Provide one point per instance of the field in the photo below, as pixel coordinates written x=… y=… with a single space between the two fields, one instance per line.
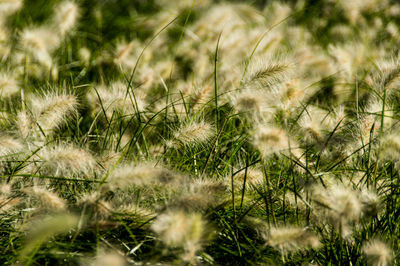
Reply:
x=182 y=132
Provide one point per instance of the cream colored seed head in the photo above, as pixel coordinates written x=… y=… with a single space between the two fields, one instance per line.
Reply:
x=66 y=15
x=179 y=229
x=48 y=199
x=39 y=43
x=8 y=85
x=24 y=123
x=254 y=104
x=7 y=7
x=270 y=140
x=106 y=258
x=291 y=239
x=68 y=160
x=9 y=145
x=194 y=132
x=115 y=98
x=377 y=253
x=141 y=174
x=51 y=111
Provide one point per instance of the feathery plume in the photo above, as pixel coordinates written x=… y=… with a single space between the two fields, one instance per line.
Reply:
x=126 y=54
x=370 y=202
x=311 y=124
x=292 y=94
x=338 y=204
x=200 y=195
x=115 y=98
x=108 y=159
x=7 y=200
x=47 y=199
x=7 y=7
x=254 y=104
x=106 y=258
x=335 y=117
x=51 y=111
x=270 y=140
x=132 y=209
x=291 y=239
x=8 y=203
x=88 y=198
x=265 y=71
x=84 y=55
x=67 y=160
x=377 y=253
x=8 y=85
x=24 y=123
x=9 y=145
x=390 y=147
x=385 y=77
x=5 y=189
x=253 y=176
x=98 y=208
x=179 y=229
x=194 y=133
x=201 y=95
x=66 y=15
x=141 y=174
x=123 y=51
x=40 y=42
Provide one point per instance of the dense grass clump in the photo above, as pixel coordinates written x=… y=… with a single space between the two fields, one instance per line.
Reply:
x=199 y=132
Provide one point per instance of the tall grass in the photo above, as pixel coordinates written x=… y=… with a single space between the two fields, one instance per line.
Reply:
x=199 y=132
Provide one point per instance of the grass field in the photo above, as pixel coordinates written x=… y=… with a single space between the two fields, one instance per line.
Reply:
x=199 y=132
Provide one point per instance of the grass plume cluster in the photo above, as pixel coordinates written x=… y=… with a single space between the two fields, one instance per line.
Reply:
x=199 y=132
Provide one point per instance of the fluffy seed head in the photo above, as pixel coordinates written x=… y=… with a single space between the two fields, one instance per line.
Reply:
x=266 y=71
x=179 y=229
x=292 y=94
x=194 y=133
x=337 y=203
x=123 y=50
x=253 y=176
x=106 y=258
x=47 y=199
x=8 y=203
x=39 y=43
x=370 y=202
x=51 y=111
x=311 y=125
x=201 y=95
x=8 y=85
x=270 y=140
x=66 y=15
x=199 y=195
x=67 y=160
x=141 y=174
x=84 y=55
x=254 y=104
x=9 y=145
x=5 y=189
x=377 y=253
x=24 y=123
x=333 y=119
x=132 y=209
x=8 y=7
x=115 y=98
x=390 y=147
x=88 y=198
x=291 y=239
